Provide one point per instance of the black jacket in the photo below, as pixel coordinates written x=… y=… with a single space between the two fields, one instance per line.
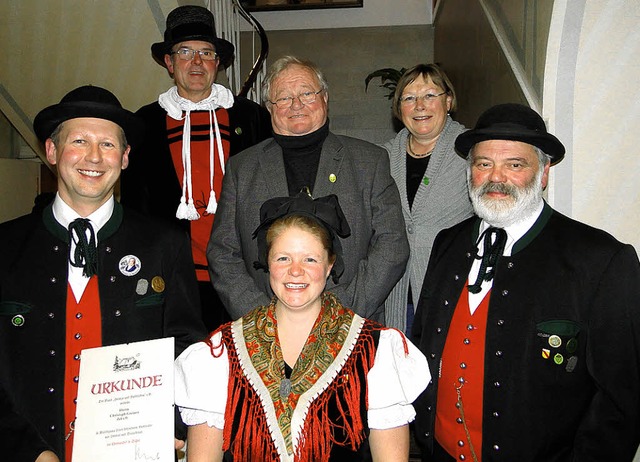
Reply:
x=33 y=285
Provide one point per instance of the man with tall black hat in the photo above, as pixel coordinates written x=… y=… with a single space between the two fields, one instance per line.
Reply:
x=66 y=282
x=191 y=131
x=529 y=319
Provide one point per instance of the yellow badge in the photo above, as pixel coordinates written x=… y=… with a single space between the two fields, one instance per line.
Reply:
x=332 y=178
x=545 y=353
x=157 y=284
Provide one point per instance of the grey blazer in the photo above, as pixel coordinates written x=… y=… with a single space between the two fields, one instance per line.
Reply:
x=375 y=255
x=441 y=201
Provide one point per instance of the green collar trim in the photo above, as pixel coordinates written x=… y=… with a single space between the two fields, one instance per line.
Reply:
x=59 y=231
x=528 y=237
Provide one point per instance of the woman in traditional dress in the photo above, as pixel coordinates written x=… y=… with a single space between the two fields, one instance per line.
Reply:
x=304 y=378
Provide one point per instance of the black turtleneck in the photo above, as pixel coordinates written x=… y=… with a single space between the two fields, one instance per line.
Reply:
x=301 y=156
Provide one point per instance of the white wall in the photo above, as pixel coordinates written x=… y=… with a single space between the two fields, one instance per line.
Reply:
x=592 y=101
x=373 y=13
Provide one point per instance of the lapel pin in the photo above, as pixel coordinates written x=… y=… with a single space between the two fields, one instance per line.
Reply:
x=332 y=178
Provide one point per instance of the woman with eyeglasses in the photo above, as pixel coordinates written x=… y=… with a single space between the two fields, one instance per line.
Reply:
x=430 y=176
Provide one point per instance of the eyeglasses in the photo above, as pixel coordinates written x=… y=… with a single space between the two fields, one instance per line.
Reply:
x=412 y=100
x=308 y=97
x=187 y=54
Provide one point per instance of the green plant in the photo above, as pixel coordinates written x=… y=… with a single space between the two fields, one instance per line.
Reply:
x=388 y=77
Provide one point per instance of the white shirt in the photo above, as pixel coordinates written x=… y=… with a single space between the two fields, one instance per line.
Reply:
x=514 y=233
x=64 y=215
x=394 y=382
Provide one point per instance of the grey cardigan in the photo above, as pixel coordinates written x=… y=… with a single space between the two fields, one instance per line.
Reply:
x=440 y=204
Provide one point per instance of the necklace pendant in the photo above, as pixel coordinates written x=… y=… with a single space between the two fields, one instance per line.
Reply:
x=285 y=388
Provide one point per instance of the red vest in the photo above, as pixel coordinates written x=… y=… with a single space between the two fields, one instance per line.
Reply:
x=201 y=228
x=462 y=369
x=84 y=330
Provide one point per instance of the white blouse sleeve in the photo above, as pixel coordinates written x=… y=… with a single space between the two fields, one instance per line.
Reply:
x=201 y=383
x=395 y=381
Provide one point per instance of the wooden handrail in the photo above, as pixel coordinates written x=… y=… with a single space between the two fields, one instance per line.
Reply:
x=264 y=49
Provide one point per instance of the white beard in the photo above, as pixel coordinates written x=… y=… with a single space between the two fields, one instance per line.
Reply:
x=521 y=203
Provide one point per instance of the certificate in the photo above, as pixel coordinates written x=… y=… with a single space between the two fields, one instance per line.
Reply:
x=125 y=404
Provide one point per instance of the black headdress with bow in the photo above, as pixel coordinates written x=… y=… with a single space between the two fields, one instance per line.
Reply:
x=325 y=210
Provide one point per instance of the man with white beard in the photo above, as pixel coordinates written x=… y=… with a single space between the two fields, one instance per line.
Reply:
x=529 y=319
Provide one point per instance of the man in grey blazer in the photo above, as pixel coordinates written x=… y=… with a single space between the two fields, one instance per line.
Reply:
x=304 y=154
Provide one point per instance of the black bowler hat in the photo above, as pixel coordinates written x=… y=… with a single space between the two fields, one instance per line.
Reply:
x=513 y=122
x=88 y=101
x=325 y=210
x=191 y=22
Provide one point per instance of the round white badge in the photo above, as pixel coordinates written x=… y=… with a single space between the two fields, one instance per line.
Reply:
x=130 y=265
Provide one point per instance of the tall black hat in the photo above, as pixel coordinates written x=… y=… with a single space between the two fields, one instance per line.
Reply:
x=191 y=22
x=513 y=122
x=325 y=210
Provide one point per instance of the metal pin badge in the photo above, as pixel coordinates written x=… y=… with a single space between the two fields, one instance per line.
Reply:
x=555 y=341
x=157 y=284
x=142 y=287
x=333 y=178
x=425 y=180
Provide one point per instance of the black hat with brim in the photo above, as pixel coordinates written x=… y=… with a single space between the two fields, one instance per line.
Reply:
x=88 y=101
x=513 y=122
x=325 y=210
x=191 y=22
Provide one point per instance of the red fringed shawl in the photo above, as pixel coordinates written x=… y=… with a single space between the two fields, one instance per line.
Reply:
x=328 y=403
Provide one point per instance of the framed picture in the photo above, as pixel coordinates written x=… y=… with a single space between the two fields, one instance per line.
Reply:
x=279 y=5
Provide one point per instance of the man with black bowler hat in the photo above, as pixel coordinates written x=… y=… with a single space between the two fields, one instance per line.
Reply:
x=191 y=130
x=67 y=282
x=529 y=319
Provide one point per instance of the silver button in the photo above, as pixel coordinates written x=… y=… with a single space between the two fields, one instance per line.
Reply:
x=76 y=357
x=78 y=336
x=501 y=322
x=433 y=356
x=439 y=329
x=56 y=248
x=51 y=390
x=499 y=354
x=510 y=265
x=456 y=277
x=112 y=279
x=52 y=428
x=495 y=414
x=52 y=352
x=461 y=443
x=107 y=249
x=53 y=280
x=496 y=447
x=469 y=326
x=78 y=315
x=462 y=457
x=52 y=315
x=76 y=378
x=496 y=384
x=463 y=366
x=459 y=420
x=461 y=379
x=446 y=303
x=117 y=313
x=505 y=292
x=466 y=341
